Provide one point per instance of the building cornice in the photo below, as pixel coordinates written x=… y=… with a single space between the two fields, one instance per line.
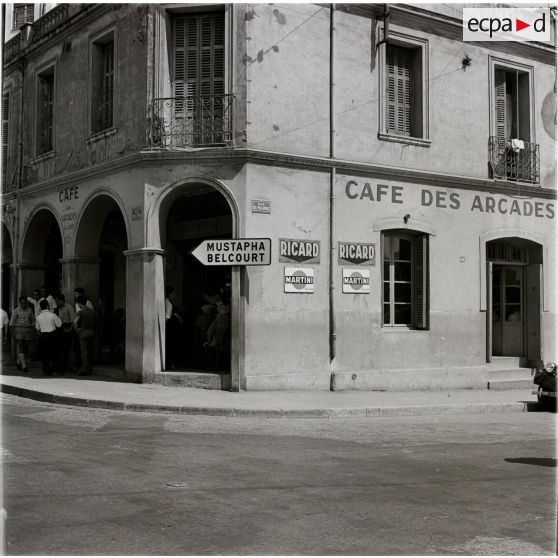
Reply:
x=242 y=156
x=415 y=17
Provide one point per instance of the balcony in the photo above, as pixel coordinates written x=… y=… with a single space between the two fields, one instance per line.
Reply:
x=190 y=122
x=514 y=164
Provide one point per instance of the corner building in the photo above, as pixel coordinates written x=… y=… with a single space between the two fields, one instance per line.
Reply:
x=406 y=180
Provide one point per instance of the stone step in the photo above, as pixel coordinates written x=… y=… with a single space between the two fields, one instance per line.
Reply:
x=511 y=384
x=499 y=363
x=510 y=374
x=193 y=379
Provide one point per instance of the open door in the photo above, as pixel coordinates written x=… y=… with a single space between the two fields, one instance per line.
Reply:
x=533 y=311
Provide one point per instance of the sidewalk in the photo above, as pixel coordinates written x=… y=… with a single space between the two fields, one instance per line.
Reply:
x=101 y=392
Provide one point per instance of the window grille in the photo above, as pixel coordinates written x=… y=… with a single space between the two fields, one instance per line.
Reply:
x=23 y=13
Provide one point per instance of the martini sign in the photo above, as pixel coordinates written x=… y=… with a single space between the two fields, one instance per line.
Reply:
x=238 y=251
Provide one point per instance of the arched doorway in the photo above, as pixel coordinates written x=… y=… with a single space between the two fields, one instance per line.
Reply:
x=201 y=340
x=514 y=306
x=7 y=261
x=41 y=254
x=101 y=240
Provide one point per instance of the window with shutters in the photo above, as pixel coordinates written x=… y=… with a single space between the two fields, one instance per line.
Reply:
x=23 y=13
x=45 y=111
x=102 y=82
x=512 y=154
x=5 y=129
x=198 y=79
x=404 y=90
x=405 y=280
x=512 y=104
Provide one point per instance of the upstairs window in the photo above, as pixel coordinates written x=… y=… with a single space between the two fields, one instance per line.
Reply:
x=45 y=111
x=199 y=55
x=201 y=109
x=102 y=80
x=5 y=128
x=512 y=104
x=405 y=279
x=404 y=90
x=23 y=13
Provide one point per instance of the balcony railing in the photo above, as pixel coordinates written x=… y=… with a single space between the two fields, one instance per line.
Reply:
x=512 y=162
x=195 y=121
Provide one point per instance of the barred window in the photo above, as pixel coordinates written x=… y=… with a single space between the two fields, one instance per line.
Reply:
x=23 y=13
x=405 y=279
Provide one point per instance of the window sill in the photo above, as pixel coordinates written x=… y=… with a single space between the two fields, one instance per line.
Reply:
x=400 y=329
x=98 y=136
x=419 y=142
x=43 y=157
x=514 y=183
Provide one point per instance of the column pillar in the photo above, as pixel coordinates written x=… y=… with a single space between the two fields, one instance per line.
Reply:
x=28 y=277
x=145 y=311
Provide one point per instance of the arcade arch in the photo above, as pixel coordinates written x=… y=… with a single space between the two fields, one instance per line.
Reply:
x=41 y=252
x=100 y=268
x=7 y=261
x=200 y=339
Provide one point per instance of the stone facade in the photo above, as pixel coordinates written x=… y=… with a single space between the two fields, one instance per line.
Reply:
x=308 y=144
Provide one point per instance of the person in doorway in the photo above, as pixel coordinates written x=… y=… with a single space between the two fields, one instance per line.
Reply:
x=47 y=325
x=84 y=323
x=67 y=315
x=22 y=324
x=78 y=291
x=172 y=327
x=203 y=323
x=5 y=325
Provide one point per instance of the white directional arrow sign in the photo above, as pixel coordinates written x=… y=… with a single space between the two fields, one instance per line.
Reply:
x=238 y=251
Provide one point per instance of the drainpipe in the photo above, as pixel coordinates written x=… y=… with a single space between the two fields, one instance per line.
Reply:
x=332 y=331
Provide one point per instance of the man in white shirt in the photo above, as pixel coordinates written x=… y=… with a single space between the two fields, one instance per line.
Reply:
x=34 y=301
x=49 y=298
x=77 y=292
x=47 y=324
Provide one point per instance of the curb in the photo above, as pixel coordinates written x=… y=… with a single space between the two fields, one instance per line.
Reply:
x=387 y=411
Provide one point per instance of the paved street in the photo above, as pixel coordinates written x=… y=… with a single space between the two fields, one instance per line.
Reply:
x=91 y=481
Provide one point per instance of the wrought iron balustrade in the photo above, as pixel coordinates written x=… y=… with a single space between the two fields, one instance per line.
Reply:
x=193 y=121
x=516 y=165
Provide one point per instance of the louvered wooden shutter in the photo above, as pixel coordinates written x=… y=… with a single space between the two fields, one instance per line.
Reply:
x=199 y=48
x=5 y=128
x=46 y=117
x=108 y=85
x=398 y=90
x=500 y=100
x=420 y=282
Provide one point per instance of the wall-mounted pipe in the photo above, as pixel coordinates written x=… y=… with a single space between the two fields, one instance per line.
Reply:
x=332 y=177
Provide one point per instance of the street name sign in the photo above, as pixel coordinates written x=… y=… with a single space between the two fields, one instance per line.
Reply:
x=238 y=251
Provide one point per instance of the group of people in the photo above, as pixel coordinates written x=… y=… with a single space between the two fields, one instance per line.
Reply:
x=65 y=331
x=211 y=340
